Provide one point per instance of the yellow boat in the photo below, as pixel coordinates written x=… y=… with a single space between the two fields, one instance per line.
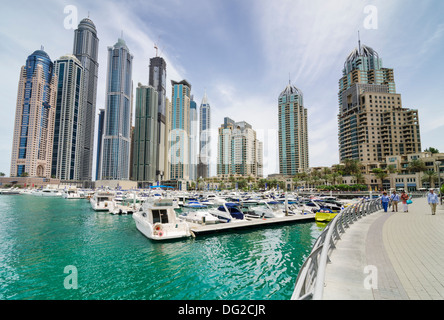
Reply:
x=325 y=215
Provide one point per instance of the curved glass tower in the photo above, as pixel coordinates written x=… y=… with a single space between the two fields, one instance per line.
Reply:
x=34 y=118
x=117 y=126
x=86 y=48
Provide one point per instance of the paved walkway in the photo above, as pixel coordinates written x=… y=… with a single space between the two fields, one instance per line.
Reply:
x=390 y=256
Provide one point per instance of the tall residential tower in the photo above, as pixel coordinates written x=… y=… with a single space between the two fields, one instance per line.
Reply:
x=372 y=122
x=116 y=143
x=68 y=128
x=86 y=49
x=203 y=165
x=293 y=132
x=178 y=140
x=34 y=118
x=157 y=79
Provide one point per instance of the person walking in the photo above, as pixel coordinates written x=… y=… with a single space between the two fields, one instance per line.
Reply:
x=394 y=199
x=385 y=201
x=404 y=198
x=432 y=199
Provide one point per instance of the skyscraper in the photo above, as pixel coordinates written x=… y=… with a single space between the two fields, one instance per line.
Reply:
x=34 y=118
x=99 y=142
x=68 y=128
x=203 y=166
x=293 y=132
x=145 y=134
x=372 y=122
x=86 y=49
x=238 y=150
x=180 y=127
x=157 y=79
x=117 y=136
x=193 y=139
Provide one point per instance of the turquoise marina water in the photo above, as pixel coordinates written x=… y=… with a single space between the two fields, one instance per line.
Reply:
x=40 y=237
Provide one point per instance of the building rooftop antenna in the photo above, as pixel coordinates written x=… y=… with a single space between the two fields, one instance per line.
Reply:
x=359 y=43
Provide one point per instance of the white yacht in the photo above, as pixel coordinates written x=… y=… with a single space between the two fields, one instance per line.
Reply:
x=157 y=220
x=48 y=192
x=102 y=200
x=270 y=209
x=228 y=212
x=72 y=193
x=199 y=216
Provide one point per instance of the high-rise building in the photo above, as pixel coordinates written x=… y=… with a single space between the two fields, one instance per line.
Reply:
x=238 y=150
x=34 y=118
x=203 y=166
x=178 y=138
x=145 y=134
x=157 y=79
x=99 y=141
x=68 y=128
x=372 y=122
x=293 y=132
x=116 y=143
x=86 y=49
x=193 y=139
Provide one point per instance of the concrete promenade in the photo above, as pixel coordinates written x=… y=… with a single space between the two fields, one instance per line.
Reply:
x=390 y=256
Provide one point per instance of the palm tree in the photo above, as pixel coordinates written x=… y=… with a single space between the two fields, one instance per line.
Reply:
x=416 y=165
x=430 y=177
x=380 y=174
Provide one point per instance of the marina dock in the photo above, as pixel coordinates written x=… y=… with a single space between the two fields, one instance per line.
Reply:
x=199 y=229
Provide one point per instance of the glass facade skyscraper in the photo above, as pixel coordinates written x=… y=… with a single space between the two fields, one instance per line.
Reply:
x=178 y=139
x=157 y=79
x=203 y=166
x=86 y=49
x=116 y=143
x=193 y=139
x=145 y=134
x=68 y=128
x=34 y=118
x=293 y=132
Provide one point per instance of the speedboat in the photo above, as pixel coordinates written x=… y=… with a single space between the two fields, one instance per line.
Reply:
x=270 y=209
x=199 y=216
x=194 y=204
x=102 y=200
x=157 y=220
x=228 y=212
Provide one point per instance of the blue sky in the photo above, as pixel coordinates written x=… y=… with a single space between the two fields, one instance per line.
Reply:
x=242 y=53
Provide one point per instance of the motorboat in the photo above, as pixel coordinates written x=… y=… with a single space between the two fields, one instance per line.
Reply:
x=199 y=216
x=194 y=205
x=157 y=220
x=116 y=207
x=270 y=209
x=228 y=212
x=48 y=192
x=72 y=193
x=102 y=200
x=10 y=191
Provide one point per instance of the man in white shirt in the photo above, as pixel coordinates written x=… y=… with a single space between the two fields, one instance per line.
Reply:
x=394 y=199
x=432 y=199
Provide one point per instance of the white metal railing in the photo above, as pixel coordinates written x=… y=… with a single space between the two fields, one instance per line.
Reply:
x=310 y=280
